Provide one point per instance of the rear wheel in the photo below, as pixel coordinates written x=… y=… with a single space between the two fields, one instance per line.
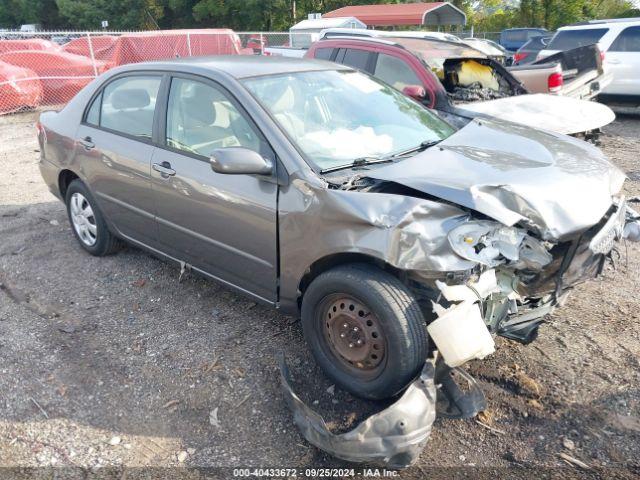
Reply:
x=87 y=221
x=365 y=329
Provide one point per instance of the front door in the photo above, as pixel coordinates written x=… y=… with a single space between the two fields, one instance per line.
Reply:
x=114 y=153
x=223 y=225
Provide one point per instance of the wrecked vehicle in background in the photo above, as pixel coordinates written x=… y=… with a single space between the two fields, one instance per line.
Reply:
x=328 y=194
x=462 y=83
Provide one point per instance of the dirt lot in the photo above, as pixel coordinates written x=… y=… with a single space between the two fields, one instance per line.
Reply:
x=115 y=362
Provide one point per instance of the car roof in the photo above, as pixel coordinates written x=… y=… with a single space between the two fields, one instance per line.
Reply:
x=239 y=66
x=420 y=46
x=602 y=24
x=524 y=28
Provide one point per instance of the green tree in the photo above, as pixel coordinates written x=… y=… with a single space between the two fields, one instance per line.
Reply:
x=14 y=13
x=121 y=14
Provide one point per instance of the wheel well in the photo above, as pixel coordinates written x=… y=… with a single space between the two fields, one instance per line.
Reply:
x=64 y=179
x=331 y=261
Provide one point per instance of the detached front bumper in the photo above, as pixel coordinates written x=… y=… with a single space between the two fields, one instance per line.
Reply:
x=392 y=438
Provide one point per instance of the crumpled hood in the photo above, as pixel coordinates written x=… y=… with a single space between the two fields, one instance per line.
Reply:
x=556 y=113
x=512 y=173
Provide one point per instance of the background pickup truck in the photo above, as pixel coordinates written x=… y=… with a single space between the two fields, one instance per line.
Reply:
x=576 y=73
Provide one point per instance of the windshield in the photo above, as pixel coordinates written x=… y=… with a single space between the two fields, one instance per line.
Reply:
x=336 y=117
x=570 y=39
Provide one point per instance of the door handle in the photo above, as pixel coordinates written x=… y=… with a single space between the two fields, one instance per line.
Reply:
x=613 y=62
x=164 y=169
x=87 y=143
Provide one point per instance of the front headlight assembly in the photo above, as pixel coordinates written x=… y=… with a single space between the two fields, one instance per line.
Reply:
x=491 y=244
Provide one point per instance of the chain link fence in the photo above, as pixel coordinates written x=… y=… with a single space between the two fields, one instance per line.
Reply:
x=46 y=69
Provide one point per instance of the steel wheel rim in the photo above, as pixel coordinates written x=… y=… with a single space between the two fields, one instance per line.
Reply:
x=360 y=346
x=83 y=219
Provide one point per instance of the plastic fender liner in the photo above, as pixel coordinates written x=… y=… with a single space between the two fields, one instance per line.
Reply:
x=391 y=438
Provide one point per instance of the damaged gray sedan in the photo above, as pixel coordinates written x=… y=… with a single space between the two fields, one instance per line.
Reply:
x=323 y=192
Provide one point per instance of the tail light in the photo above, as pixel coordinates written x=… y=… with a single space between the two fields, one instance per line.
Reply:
x=519 y=56
x=603 y=56
x=555 y=82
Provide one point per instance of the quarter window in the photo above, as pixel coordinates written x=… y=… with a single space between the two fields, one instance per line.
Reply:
x=627 y=41
x=128 y=105
x=395 y=72
x=202 y=118
x=93 y=115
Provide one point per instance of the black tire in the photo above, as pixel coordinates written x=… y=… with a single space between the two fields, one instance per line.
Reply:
x=105 y=242
x=398 y=316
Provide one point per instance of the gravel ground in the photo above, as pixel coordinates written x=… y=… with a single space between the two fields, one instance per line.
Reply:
x=117 y=362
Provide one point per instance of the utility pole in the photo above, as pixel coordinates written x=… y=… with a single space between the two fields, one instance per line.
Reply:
x=293 y=10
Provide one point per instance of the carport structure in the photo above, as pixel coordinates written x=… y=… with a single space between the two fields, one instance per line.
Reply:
x=434 y=13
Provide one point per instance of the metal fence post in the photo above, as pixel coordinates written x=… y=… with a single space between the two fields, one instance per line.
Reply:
x=189 y=43
x=261 y=44
x=93 y=58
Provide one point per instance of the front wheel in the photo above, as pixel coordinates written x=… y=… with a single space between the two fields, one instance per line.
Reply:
x=365 y=330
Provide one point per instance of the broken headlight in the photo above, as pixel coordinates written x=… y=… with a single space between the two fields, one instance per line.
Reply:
x=491 y=244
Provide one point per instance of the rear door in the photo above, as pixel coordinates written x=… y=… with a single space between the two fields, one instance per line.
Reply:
x=356 y=58
x=623 y=57
x=115 y=149
x=223 y=225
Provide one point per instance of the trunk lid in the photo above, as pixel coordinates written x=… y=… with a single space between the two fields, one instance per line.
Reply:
x=557 y=185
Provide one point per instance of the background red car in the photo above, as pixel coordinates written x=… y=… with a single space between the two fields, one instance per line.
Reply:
x=61 y=74
x=27 y=44
x=19 y=88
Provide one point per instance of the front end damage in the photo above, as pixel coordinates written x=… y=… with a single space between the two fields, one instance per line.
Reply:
x=490 y=252
x=517 y=282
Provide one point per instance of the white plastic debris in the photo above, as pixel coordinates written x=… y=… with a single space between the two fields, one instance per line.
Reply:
x=460 y=333
x=213 y=417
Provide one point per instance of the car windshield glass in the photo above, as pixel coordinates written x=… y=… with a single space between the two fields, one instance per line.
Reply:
x=337 y=117
x=569 y=39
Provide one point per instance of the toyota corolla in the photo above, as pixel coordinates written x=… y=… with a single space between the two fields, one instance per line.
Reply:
x=327 y=194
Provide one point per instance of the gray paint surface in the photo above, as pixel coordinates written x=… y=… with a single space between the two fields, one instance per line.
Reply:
x=225 y=225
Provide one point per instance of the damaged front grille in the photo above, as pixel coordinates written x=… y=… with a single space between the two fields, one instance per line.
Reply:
x=604 y=241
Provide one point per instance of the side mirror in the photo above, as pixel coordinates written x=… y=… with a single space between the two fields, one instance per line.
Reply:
x=417 y=92
x=239 y=161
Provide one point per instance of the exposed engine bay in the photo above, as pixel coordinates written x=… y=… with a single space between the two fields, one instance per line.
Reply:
x=473 y=80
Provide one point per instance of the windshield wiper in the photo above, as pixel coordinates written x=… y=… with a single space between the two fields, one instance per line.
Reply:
x=359 y=162
x=423 y=146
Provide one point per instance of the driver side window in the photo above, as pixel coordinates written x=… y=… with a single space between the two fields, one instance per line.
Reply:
x=202 y=118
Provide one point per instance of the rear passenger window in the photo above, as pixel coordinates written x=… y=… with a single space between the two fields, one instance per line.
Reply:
x=324 y=53
x=356 y=58
x=395 y=72
x=128 y=105
x=627 y=41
